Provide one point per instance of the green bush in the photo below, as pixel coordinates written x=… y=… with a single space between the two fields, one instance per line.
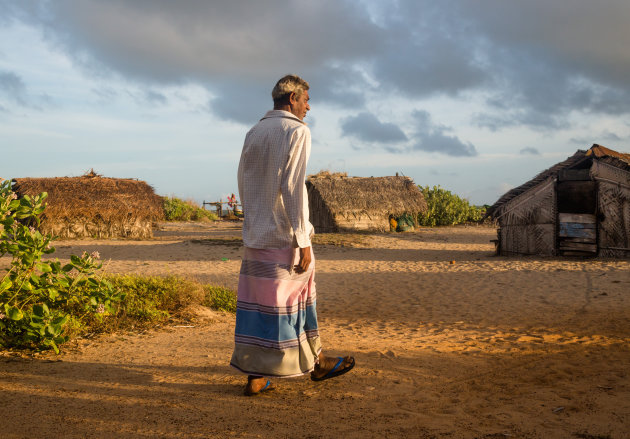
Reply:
x=176 y=209
x=220 y=298
x=44 y=303
x=149 y=301
x=447 y=209
x=154 y=300
x=36 y=295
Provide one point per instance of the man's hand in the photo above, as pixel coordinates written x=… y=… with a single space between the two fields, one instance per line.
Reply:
x=305 y=260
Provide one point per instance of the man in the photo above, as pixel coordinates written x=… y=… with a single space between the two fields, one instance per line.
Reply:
x=276 y=332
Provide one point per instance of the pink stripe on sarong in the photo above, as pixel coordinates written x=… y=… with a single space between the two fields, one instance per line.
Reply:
x=272 y=292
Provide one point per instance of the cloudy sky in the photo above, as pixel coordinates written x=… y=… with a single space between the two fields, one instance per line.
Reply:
x=475 y=96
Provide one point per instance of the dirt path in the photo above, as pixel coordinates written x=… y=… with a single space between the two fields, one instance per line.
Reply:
x=450 y=342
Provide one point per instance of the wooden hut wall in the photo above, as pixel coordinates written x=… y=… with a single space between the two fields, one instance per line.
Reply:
x=614 y=225
x=613 y=203
x=527 y=223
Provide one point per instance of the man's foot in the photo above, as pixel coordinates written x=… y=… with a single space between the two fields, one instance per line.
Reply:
x=330 y=367
x=257 y=385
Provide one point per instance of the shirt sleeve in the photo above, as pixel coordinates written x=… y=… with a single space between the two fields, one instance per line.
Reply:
x=293 y=186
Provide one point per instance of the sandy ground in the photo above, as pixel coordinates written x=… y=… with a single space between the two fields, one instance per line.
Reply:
x=450 y=342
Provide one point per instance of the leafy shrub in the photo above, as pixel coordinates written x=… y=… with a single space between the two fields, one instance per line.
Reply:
x=36 y=295
x=446 y=209
x=154 y=300
x=176 y=209
x=149 y=301
x=220 y=298
x=44 y=303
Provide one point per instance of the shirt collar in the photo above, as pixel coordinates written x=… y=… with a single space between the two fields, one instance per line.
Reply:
x=281 y=113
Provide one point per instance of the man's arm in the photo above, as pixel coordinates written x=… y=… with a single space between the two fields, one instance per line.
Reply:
x=293 y=189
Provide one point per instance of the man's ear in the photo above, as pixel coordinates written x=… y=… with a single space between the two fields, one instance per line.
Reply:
x=293 y=98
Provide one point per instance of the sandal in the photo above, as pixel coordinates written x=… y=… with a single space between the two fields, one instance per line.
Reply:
x=335 y=371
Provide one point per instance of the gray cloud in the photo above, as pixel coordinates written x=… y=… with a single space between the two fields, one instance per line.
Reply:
x=104 y=93
x=534 y=61
x=604 y=137
x=233 y=48
x=367 y=128
x=15 y=93
x=243 y=102
x=432 y=137
x=427 y=54
x=571 y=37
x=246 y=101
x=12 y=87
x=163 y=41
x=549 y=59
x=529 y=150
x=154 y=97
x=516 y=117
x=341 y=87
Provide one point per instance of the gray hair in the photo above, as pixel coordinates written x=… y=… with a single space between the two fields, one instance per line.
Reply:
x=286 y=85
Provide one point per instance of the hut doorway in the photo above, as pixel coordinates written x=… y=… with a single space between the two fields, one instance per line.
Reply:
x=576 y=195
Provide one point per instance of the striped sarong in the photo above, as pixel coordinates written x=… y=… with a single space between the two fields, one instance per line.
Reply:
x=276 y=320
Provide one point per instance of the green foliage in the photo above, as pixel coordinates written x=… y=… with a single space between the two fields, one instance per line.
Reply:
x=155 y=300
x=150 y=301
x=35 y=295
x=176 y=209
x=446 y=209
x=220 y=298
x=44 y=303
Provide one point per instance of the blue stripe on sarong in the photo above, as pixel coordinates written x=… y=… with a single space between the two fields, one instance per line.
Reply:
x=276 y=327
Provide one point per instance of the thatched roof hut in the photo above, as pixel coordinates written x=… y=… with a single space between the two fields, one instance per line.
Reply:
x=94 y=206
x=338 y=202
x=580 y=206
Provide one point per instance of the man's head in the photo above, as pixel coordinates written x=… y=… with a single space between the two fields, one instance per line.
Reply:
x=291 y=94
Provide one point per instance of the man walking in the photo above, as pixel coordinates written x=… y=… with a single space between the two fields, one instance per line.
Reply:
x=276 y=331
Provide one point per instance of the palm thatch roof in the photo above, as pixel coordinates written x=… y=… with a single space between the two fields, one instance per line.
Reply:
x=93 y=199
x=619 y=159
x=577 y=160
x=374 y=195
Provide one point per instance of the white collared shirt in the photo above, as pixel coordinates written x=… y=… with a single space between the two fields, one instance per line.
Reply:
x=271 y=182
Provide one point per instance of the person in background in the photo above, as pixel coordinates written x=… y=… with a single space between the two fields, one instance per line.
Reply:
x=232 y=203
